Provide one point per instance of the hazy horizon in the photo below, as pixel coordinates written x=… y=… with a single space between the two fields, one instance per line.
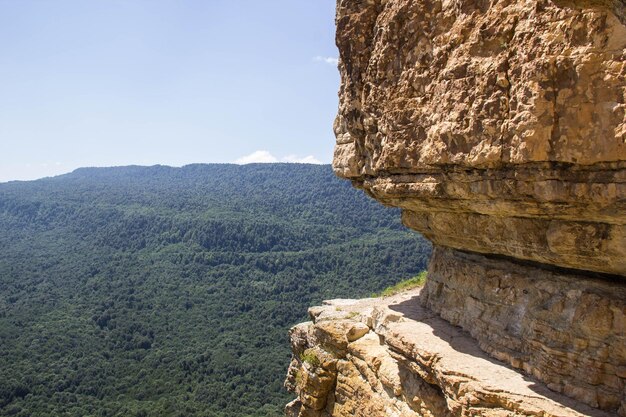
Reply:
x=167 y=166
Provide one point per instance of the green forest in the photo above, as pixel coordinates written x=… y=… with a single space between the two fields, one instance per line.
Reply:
x=159 y=291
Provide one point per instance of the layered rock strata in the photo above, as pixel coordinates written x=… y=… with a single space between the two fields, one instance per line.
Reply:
x=393 y=357
x=564 y=329
x=499 y=127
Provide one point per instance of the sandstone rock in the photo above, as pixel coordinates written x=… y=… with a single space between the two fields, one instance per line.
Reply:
x=571 y=336
x=430 y=83
x=499 y=128
x=413 y=363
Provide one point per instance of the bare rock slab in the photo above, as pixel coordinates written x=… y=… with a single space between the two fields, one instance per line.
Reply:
x=409 y=362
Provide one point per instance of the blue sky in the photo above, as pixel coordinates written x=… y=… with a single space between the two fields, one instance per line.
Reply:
x=118 y=82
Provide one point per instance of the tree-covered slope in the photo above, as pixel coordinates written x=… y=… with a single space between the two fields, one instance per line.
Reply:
x=163 y=291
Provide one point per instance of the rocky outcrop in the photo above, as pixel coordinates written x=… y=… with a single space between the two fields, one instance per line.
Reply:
x=499 y=128
x=393 y=357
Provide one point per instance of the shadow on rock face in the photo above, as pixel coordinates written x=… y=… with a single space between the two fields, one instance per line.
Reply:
x=461 y=341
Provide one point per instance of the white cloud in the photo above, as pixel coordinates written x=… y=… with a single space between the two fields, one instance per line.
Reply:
x=266 y=157
x=330 y=60
x=257 y=156
x=309 y=159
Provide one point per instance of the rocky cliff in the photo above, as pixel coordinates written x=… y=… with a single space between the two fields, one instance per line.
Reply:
x=499 y=127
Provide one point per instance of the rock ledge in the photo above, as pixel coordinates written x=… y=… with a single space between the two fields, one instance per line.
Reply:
x=392 y=357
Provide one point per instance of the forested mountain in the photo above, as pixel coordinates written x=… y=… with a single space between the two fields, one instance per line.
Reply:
x=158 y=291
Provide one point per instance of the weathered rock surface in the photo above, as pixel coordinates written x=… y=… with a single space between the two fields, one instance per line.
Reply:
x=499 y=127
x=393 y=357
x=479 y=84
x=566 y=330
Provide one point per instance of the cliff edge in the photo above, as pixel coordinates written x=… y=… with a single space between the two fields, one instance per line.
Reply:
x=499 y=128
x=393 y=357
